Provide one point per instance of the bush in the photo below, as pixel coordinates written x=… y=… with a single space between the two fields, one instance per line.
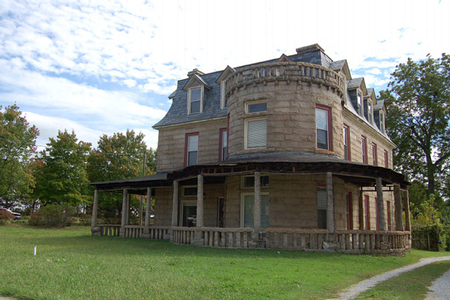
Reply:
x=52 y=216
x=82 y=220
x=5 y=216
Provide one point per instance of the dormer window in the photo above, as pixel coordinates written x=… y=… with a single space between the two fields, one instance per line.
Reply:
x=195 y=100
x=223 y=103
x=360 y=105
x=382 y=126
x=370 y=111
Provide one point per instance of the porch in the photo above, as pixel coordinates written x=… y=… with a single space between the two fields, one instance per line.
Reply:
x=346 y=241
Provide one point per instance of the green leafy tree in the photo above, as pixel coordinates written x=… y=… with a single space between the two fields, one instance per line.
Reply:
x=418 y=98
x=17 y=146
x=61 y=171
x=118 y=157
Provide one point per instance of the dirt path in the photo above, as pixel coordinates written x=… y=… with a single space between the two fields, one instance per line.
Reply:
x=353 y=291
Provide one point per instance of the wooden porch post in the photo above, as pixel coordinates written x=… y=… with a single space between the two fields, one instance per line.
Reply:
x=199 y=201
x=124 y=209
x=380 y=204
x=127 y=219
x=94 y=230
x=175 y=204
x=148 y=204
x=198 y=240
x=398 y=208
x=257 y=204
x=330 y=203
x=407 y=212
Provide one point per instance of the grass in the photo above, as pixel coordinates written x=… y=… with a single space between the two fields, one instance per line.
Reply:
x=71 y=264
x=408 y=286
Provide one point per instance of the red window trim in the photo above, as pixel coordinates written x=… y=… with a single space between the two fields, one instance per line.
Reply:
x=376 y=154
x=221 y=130
x=367 y=202
x=349 y=148
x=377 y=213
x=365 y=159
x=330 y=126
x=186 y=146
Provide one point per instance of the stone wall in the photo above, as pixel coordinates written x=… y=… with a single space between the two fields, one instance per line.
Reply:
x=172 y=140
x=163 y=206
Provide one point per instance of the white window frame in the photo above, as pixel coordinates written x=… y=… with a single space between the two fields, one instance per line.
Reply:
x=202 y=89
x=242 y=215
x=382 y=122
x=328 y=129
x=246 y=133
x=370 y=112
x=360 y=103
x=188 y=150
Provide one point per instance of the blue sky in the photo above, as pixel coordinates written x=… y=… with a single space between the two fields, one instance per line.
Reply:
x=95 y=69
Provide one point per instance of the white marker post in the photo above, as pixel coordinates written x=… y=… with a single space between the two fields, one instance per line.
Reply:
x=34 y=251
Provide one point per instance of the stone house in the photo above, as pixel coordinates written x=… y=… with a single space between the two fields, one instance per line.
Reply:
x=289 y=153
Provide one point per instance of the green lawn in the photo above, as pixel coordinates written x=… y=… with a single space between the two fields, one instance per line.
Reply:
x=70 y=264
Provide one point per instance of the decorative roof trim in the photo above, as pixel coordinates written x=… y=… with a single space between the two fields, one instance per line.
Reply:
x=284 y=58
x=225 y=73
x=195 y=78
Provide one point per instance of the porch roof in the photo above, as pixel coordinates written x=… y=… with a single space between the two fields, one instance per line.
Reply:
x=277 y=163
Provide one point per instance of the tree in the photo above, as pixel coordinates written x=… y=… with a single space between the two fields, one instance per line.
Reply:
x=17 y=146
x=118 y=157
x=61 y=175
x=418 y=98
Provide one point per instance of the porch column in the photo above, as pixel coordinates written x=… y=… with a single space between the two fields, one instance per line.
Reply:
x=199 y=201
x=127 y=215
x=330 y=203
x=147 y=214
x=257 y=204
x=407 y=212
x=175 y=204
x=380 y=204
x=124 y=209
x=95 y=231
x=398 y=208
x=141 y=210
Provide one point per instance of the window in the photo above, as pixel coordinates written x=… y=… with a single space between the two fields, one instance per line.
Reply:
x=256 y=107
x=191 y=155
x=256 y=133
x=374 y=154
x=386 y=159
x=347 y=155
x=370 y=112
x=195 y=96
x=322 y=207
x=189 y=191
x=367 y=211
x=364 y=149
x=323 y=123
x=349 y=210
x=360 y=105
x=382 y=126
x=247 y=203
x=223 y=142
x=249 y=181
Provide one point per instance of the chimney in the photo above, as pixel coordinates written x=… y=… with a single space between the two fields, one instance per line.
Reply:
x=310 y=48
x=195 y=71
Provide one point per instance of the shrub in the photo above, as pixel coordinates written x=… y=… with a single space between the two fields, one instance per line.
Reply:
x=5 y=216
x=82 y=220
x=52 y=216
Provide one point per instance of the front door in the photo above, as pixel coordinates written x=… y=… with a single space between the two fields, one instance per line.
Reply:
x=189 y=213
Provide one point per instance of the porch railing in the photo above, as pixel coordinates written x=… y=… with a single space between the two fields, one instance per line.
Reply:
x=109 y=230
x=214 y=236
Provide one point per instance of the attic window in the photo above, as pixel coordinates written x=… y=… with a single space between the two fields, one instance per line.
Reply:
x=195 y=99
x=382 y=126
x=370 y=111
x=360 y=105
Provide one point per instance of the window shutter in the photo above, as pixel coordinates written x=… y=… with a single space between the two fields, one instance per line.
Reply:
x=257 y=133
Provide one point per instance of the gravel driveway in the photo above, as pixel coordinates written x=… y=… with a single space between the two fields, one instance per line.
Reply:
x=441 y=285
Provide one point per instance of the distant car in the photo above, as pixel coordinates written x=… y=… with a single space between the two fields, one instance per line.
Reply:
x=16 y=215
